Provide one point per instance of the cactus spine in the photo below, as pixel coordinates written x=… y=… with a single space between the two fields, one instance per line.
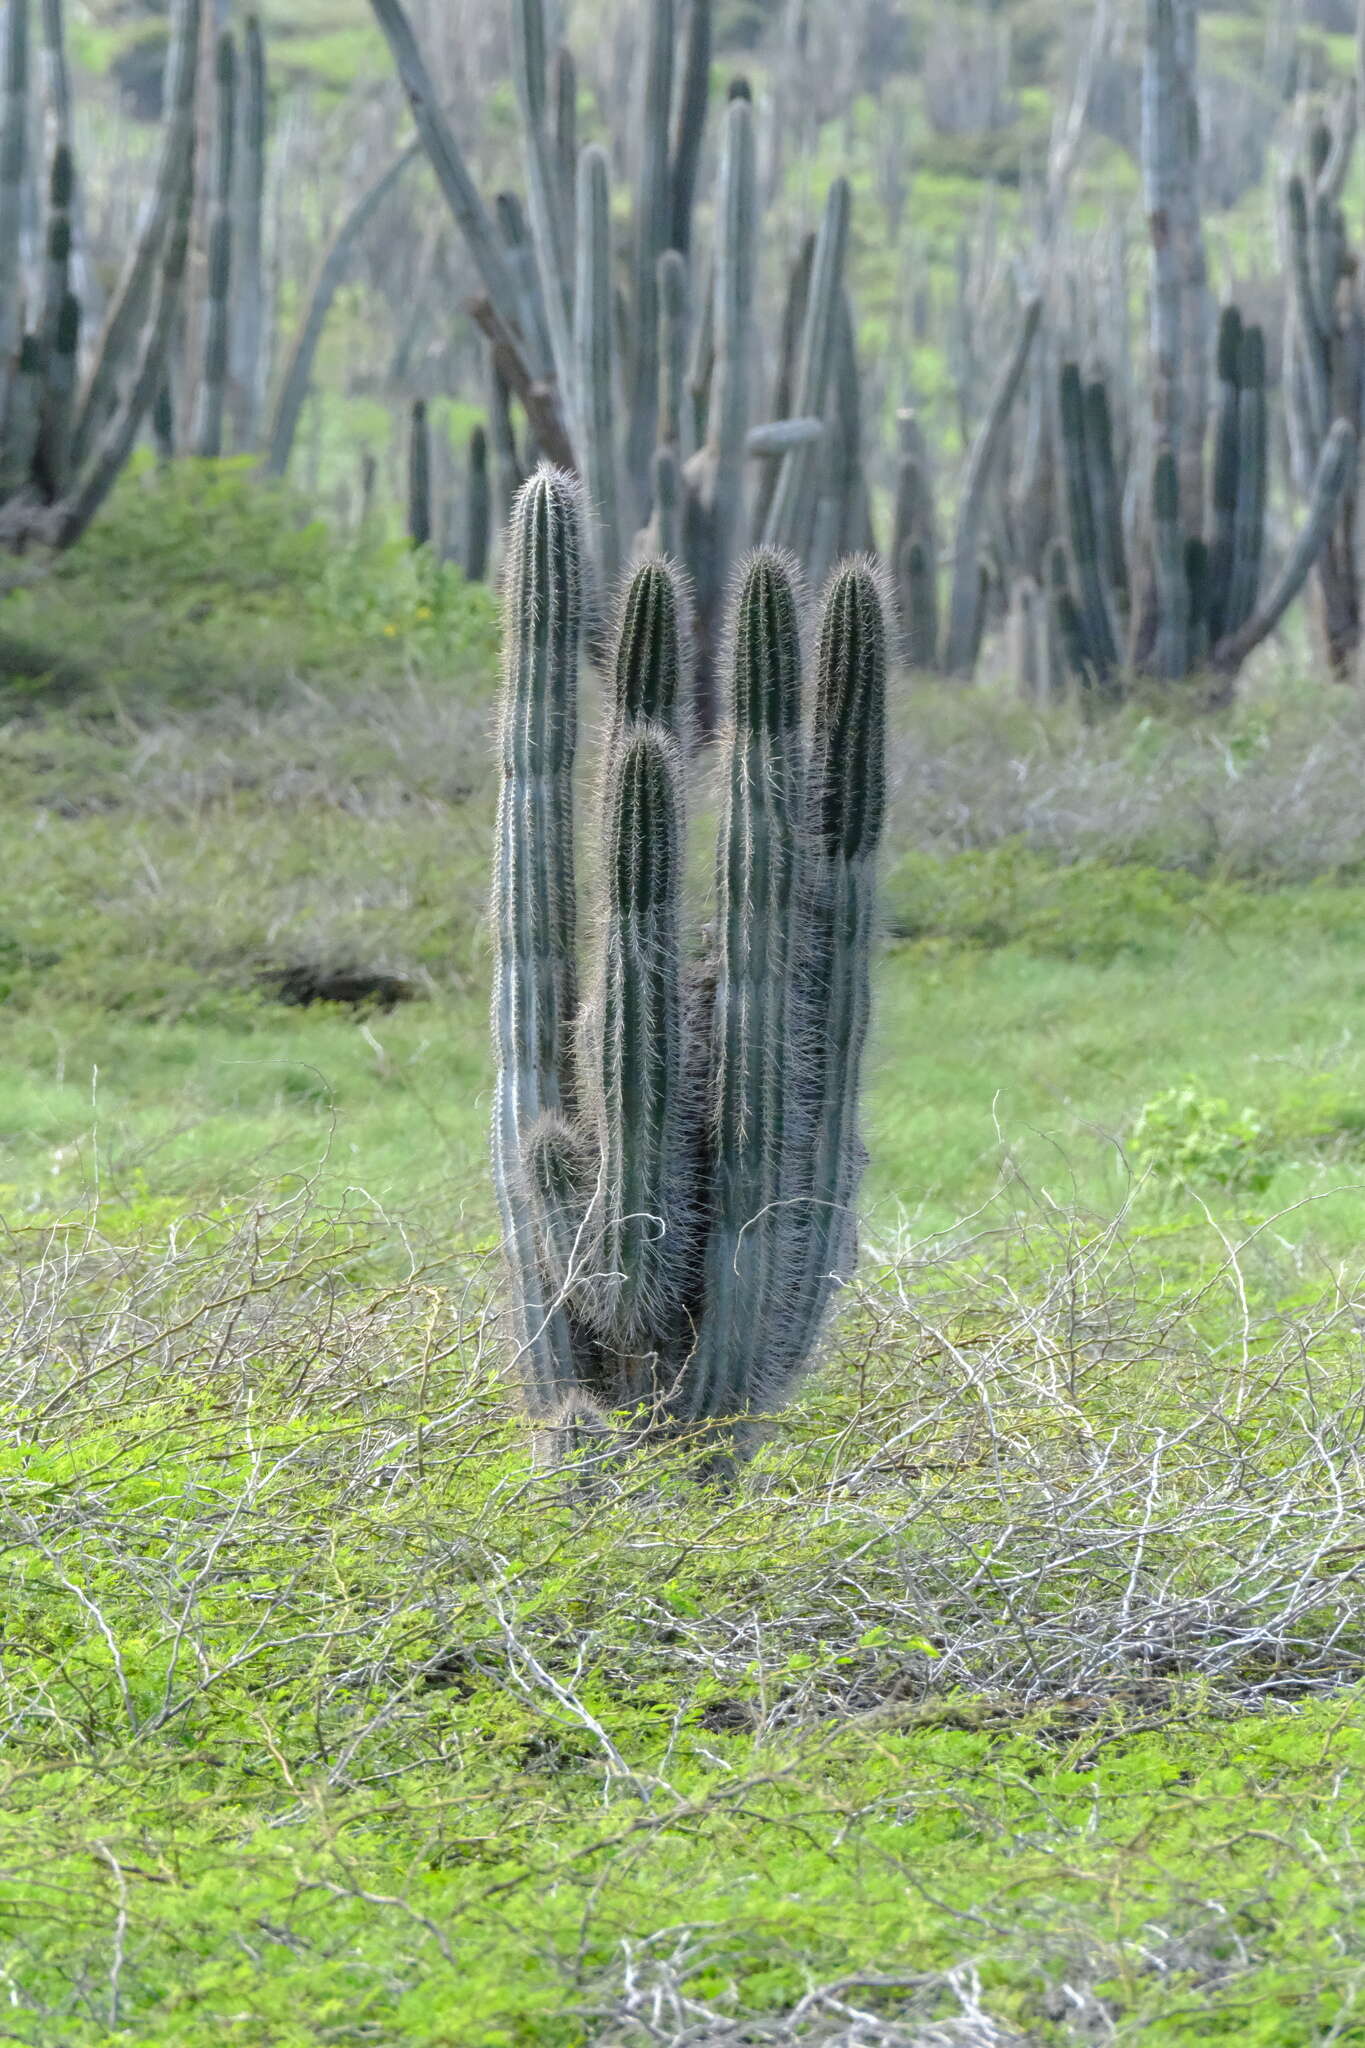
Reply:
x=212 y=396
x=677 y=1168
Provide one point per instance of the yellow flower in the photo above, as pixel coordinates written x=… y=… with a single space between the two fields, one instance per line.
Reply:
x=391 y=630
x=424 y=611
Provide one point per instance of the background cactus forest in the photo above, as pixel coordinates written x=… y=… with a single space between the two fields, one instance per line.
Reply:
x=804 y=557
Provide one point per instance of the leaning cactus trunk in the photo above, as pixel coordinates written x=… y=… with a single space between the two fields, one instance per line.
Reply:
x=677 y=1160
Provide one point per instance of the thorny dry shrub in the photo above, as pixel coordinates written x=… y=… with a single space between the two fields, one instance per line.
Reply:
x=267 y=1497
x=1268 y=796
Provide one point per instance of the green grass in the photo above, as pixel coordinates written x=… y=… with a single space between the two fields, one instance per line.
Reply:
x=1019 y=1681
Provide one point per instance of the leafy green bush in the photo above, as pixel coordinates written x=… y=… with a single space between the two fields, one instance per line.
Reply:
x=1187 y=1140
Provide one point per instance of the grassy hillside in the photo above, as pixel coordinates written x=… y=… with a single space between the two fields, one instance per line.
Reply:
x=1015 y=1693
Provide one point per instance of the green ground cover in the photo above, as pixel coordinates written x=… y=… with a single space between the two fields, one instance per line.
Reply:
x=1015 y=1693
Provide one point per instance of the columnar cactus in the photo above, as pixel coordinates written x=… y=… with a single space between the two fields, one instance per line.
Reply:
x=246 y=344
x=61 y=450
x=600 y=372
x=1324 y=353
x=478 y=508
x=419 y=475
x=677 y=1164
x=593 y=365
x=1208 y=609
x=211 y=399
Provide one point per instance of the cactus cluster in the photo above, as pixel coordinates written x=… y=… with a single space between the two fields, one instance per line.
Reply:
x=71 y=403
x=1324 y=359
x=646 y=394
x=676 y=1154
x=1191 y=595
x=915 y=525
x=1205 y=605
x=63 y=440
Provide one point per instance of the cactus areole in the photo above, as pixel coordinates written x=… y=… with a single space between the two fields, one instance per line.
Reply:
x=676 y=1155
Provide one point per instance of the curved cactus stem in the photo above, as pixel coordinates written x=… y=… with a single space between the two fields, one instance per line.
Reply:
x=141 y=279
x=846 y=808
x=964 y=598
x=298 y=374
x=593 y=349
x=212 y=394
x=562 y=1171
x=534 y=916
x=1330 y=480
x=792 y=509
x=748 y=1270
x=521 y=258
x=68 y=519
x=437 y=137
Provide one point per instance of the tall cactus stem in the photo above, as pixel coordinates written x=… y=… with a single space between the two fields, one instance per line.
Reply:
x=652 y=228
x=478 y=508
x=593 y=351
x=845 y=811
x=212 y=395
x=247 y=365
x=534 y=915
x=748 y=1267
x=792 y=510
x=964 y=619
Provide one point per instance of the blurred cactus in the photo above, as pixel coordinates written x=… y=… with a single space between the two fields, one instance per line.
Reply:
x=478 y=508
x=914 y=542
x=62 y=447
x=246 y=340
x=211 y=401
x=419 y=475
x=597 y=349
x=677 y=1165
x=1325 y=368
x=1207 y=608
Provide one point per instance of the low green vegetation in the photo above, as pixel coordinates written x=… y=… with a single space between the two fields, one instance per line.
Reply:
x=1015 y=1692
